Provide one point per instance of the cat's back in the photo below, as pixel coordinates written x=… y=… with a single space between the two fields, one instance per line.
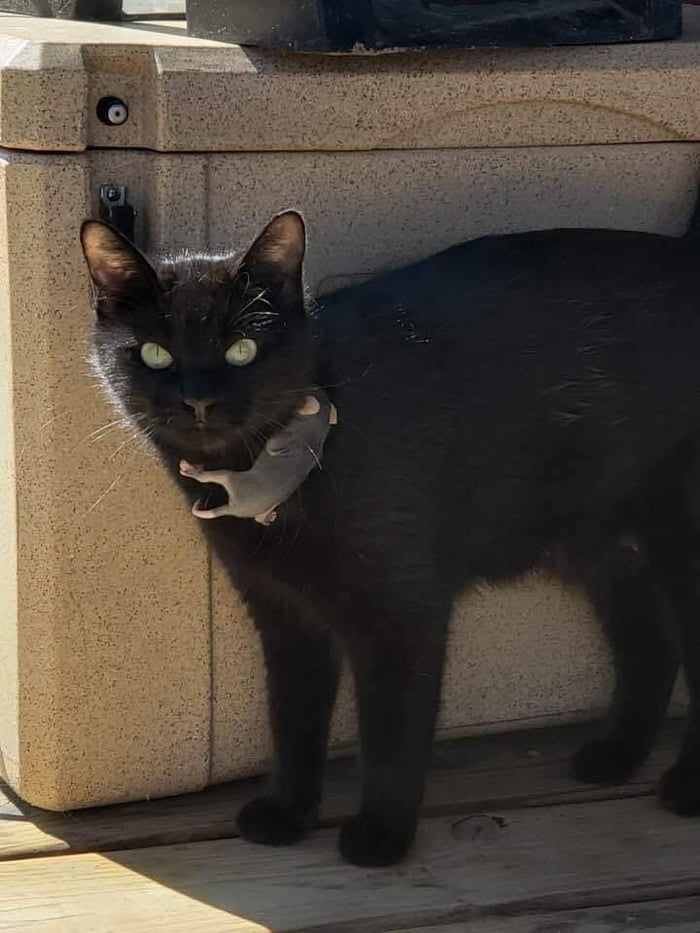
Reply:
x=491 y=276
x=508 y=329
x=533 y=303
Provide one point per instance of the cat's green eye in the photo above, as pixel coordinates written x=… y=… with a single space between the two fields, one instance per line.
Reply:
x=242 y=352
x=155 y=356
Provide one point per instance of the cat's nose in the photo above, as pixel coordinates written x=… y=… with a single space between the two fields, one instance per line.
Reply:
x=199 y=406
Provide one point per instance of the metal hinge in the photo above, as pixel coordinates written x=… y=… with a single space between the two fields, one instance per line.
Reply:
x=116 y=210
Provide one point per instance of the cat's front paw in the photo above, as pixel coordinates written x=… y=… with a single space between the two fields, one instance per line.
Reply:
x=605 y=762
x=367 y=842
x=679 y=790
x=269 y=823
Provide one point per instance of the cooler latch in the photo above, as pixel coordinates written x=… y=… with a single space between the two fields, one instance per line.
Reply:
x=116 y=210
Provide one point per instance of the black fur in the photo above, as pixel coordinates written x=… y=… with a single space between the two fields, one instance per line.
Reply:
x=512 y=402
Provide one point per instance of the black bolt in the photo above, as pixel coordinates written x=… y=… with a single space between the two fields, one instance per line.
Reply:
x=112 y=111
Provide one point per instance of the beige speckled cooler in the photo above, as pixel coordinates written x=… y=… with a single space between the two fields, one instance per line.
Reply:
x=111 y=691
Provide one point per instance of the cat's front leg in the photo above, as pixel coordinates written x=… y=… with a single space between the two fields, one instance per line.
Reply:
x=302 y=675
x=396 y=652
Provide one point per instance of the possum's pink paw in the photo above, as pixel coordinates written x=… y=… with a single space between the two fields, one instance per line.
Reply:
x=189 y=469
x=266 y=518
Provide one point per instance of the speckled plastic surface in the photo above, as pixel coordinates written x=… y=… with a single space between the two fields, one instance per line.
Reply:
x=105 y=630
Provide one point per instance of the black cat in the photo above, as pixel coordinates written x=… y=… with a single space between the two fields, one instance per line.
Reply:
x=514 y=401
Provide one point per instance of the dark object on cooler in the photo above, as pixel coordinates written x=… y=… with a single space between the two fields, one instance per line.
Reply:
x=364 y=25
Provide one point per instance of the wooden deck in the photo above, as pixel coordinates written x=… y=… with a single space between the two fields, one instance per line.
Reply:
x=509 y=844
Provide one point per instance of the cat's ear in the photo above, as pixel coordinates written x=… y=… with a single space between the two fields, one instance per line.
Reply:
x=116 y=267
x=279 y=250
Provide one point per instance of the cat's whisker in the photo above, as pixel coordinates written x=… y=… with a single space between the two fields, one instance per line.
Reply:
x=261 y=316
x=132 y=437
x=102 y=430
x=247 y=447
x=105 y=433
x=147 y=435
x=246 y=276
x=100 y=498
x=259 y=297
x=259 y=436
x=273 y=422
x=47 y=424
x=351 y=380
x=365 y=437
x=314 y=455
x=54 y=417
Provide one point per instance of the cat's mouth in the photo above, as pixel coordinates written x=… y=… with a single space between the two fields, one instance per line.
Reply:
x=204 y=441
x=224 y=436
x=201 y=425
x=200 y=431
x=201 y=445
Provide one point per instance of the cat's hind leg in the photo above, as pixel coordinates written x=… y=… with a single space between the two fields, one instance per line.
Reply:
x=674 y=544
x=626 y=597
x=679 y=789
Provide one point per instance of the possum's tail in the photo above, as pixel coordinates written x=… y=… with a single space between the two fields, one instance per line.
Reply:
x=692 y=231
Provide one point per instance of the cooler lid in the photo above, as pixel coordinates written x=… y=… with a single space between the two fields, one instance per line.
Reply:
x=194 y=95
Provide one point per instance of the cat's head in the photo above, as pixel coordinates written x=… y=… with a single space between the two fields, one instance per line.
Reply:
x=207 y=356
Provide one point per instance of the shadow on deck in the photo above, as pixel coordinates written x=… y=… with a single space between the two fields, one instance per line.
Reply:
x=508 y=844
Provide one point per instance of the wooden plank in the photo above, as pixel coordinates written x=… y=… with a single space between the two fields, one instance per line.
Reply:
x=519 y=769
x=543 y=859
x=27 y=831
x=664 y=916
